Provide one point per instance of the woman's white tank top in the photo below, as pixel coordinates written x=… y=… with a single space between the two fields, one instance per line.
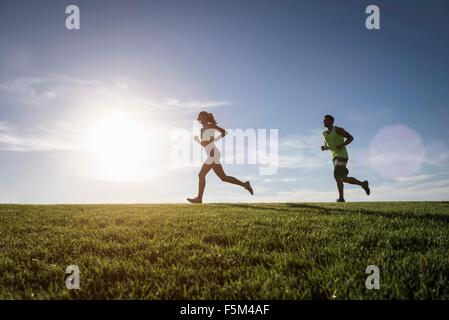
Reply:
x=211 y=149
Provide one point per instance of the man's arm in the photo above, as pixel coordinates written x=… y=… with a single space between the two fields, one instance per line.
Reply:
x=348 y=138
x=325 y=147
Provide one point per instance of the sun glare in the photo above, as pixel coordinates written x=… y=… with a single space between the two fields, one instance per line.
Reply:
x=121 y=147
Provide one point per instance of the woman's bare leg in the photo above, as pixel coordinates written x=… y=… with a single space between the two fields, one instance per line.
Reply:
x=201 y=183
x=218 y=169
x=202 y=180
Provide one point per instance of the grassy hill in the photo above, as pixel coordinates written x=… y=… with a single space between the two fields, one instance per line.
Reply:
x=225 y=251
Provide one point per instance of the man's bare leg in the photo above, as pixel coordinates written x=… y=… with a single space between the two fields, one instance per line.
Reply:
x=363 y=184
x=340 y=188
x=351 y=180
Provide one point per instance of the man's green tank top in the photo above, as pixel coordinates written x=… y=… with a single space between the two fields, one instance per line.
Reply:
x=332 y=140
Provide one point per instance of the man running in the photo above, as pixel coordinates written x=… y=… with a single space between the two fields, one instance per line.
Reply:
x=334 y=140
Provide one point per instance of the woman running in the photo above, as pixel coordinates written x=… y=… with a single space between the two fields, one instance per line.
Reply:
x=213 y=156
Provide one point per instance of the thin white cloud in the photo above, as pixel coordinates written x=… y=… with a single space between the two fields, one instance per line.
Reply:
x=271 y=180
x=25 y=90
x=375 y=114
x=56 y=138
x=437 y=154
x=207 y=104
x=81 y=97
x=429 y=185
x=435 y=190
x=302 y=151
x=312 y=140
x=47 y=90
x=417 y=178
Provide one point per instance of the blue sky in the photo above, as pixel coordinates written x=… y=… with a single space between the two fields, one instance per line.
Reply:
x=254 y=64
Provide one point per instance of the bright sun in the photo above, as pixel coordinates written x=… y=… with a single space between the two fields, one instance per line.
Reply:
x=120 y=146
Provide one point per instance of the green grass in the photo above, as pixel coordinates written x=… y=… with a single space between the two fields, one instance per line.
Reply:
x=225 y=251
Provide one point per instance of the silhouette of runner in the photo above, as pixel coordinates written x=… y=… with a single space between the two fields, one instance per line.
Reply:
x=213 y=160
x=334 y=140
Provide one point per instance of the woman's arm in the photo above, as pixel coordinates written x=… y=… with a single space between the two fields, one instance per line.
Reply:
x=212 y=139
x=203 y=143
x=220 y=129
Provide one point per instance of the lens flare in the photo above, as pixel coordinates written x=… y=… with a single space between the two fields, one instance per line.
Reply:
x=396 y=151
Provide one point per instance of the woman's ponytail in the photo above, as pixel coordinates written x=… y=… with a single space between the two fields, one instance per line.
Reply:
x=211 y=118
x=208 y=117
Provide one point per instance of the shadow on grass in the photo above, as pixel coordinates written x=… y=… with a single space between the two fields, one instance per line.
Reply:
x=406 y=215
x=260 y=207
x=290 y=207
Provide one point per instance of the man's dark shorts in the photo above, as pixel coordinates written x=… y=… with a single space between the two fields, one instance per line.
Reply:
x=340 y=170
